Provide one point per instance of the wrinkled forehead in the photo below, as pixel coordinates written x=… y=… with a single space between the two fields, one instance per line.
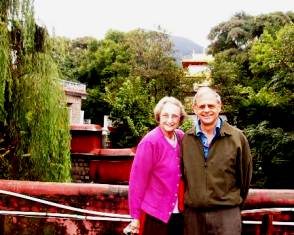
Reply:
x=207 y=98
x=170 y=108
x=208 y=94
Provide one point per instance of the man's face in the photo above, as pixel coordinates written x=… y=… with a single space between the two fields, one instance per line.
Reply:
x=207 y=109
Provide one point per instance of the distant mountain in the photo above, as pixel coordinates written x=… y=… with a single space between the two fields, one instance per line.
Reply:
x=184 y=47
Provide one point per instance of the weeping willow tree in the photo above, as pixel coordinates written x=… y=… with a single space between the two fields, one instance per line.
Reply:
x=34 y=134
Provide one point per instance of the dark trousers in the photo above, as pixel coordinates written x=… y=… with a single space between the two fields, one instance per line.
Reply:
x=212 y=222
x=153 y=226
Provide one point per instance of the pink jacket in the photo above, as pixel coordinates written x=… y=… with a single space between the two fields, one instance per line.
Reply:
x=155 y=176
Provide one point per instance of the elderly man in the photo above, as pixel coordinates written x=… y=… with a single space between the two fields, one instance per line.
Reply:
x=217 y=167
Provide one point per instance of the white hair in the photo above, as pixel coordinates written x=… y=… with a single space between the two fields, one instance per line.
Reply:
x=171 y=100
x=205 y=90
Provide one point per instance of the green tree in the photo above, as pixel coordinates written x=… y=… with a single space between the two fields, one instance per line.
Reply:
x=153 y=72
x=254 y=74
x=107 y=65
x=67 y=55
x=272 y=139
x=35 y=137
x=272 y=149
x=242 y=30
x=273 y=55
x=152 y=59
x=131 y=112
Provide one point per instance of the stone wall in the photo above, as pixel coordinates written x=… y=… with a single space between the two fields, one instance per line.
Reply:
x=80 y=170
x=75 y=93
x=111 y=168
x=74 y=104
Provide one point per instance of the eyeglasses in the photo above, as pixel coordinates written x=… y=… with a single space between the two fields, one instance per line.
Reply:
x=171 y=116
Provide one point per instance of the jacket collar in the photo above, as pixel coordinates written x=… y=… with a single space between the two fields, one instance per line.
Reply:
x=224 y=130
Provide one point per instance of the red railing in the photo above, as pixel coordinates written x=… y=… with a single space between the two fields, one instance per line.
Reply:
x=265 y=211
x=268 y=212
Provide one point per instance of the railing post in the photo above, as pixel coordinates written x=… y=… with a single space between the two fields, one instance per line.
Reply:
x=267 y=227
x=2 y=223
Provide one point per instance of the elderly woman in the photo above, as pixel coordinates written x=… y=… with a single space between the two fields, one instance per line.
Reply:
x=155 y=174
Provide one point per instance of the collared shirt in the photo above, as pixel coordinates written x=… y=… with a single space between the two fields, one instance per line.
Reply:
x=203 y=137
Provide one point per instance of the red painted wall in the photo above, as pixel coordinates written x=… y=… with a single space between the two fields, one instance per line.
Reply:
x=85 y=138
x=92 y=163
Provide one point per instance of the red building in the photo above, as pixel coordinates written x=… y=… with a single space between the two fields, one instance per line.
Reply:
x=197 y=70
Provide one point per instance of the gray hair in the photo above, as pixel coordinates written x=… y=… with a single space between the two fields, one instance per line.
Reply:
x=172 y=100
x=206 y=89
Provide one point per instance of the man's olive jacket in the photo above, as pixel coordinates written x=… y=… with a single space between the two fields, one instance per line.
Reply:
x=223 y=179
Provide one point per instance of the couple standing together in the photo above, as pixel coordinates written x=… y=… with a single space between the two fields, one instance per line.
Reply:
x=213 y=161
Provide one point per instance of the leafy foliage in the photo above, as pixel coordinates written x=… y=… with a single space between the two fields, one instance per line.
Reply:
x=35 y=138
x=275 y=54
x=273 y=151
x=152 y=59
x=254 y=73
x=187 y=124
x=242 y=30
x=153 y=73
x=39 y=123
x=131 y=112
x=4 y=68
x=112 y=66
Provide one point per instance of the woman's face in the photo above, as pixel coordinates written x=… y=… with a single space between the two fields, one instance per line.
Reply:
x=169 y=118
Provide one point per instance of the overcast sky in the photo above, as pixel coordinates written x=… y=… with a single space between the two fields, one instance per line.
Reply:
x=192 y=19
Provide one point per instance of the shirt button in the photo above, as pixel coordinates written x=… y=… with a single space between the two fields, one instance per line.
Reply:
x=173 y=204
x=169 y=213
x=177 y=185
x=176 y=194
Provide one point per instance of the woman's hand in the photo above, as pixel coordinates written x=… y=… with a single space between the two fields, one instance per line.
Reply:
x=133 y=227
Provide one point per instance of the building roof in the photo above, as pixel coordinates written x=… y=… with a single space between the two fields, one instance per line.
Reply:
x=197 y=59
x=74 y=88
